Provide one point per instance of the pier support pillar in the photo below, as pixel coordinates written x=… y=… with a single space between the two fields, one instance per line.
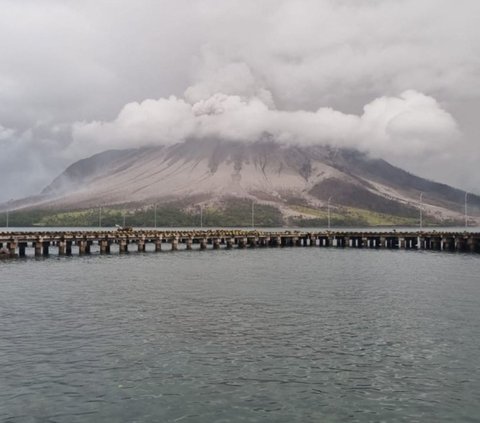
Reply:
x=103 y=244
x=383 y=242
x=420 y=243
x=189 y=243
x=141 y=246
x=46 y=248
x=471 y=244
x=61 y=248
x=122 y=246
x=81 y=247
x=203 y=244
x=158 y=244
x=216 y=243
x=68 y=249
x=12 y=248
x=242 y=242
x=230 y=242
x=22 y=246
x=38 y=248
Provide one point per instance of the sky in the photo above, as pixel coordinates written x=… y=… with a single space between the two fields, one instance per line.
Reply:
x=397 y=79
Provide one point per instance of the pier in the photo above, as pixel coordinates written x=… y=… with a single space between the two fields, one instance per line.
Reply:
x=62 y=243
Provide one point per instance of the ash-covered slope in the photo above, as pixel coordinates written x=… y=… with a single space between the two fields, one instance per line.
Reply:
x=281 y=175
x=81 y=172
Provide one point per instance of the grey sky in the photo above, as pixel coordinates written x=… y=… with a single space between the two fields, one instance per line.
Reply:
x=80 y=77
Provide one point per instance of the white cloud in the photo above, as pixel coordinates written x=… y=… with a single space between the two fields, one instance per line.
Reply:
x=402 y=126
x=411 y=124
x=145 y=123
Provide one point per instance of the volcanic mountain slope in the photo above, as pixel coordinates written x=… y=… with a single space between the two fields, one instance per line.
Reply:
x=292 y=178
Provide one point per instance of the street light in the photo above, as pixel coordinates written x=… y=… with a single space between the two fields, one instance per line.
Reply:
x=100 y=217
x=328 y=213
x=253 y=214
x=421 y=210
x=466 y=210
x=7 y=220
x=155 y=215
x=201 y=216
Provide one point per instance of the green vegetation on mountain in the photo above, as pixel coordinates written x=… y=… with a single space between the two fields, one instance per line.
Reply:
x=229 y=213
x=349 y=216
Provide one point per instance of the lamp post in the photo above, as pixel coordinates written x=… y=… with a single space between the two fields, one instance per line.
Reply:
x=253 y=214
x=100 y=217
x=155 y=216
x=421 y=210
x=6 y=224
x=466 y=209
x=328 y=211
x=124 y=213
x=201 y=216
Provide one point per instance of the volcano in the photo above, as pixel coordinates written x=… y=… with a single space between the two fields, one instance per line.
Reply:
x=297 y=180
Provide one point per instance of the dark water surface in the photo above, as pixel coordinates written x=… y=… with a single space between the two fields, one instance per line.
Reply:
x=275 y=335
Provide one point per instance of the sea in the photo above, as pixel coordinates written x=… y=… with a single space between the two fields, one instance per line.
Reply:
x=252 y=335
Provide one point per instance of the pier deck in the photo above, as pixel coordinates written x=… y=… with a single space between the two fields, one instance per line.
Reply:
x=16 y=244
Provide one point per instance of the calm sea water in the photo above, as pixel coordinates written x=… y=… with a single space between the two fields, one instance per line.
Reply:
x=265 y=335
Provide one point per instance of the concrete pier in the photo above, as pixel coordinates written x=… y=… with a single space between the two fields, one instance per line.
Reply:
x=103 y=244
x=22 y=248
x=174 y=243
x=122 y=246
x=38 y=247
x=20 y=244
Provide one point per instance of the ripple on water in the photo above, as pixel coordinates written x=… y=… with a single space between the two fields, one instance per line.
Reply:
x=287 y=335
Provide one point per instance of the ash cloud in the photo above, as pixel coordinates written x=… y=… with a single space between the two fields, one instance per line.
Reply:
x=398 y=79
x=394 y=127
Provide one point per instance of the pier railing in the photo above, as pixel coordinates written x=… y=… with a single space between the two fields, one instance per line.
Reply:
x=37 y=244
